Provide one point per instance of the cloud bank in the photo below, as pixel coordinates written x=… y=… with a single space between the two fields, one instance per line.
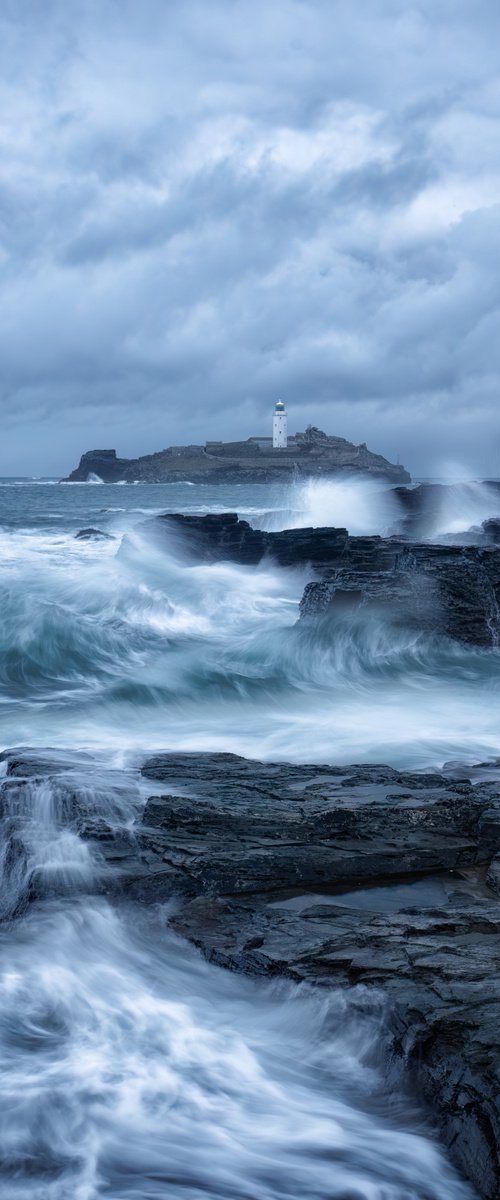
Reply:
x=206 y=206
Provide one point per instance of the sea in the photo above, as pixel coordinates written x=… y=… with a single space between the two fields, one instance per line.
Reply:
x=131 y=1067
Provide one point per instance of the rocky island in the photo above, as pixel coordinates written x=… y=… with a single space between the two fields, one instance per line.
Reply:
x=256 y=460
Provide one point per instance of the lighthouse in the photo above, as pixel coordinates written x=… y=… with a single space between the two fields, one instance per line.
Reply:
x=280 y=439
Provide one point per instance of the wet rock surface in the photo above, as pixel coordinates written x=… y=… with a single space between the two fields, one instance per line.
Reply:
x=217 y=537
x=350 y=875
x=91 y=534
x=332 y=875
x=453 y=590
x=448 y=590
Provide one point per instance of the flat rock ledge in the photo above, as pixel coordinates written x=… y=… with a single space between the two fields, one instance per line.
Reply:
x=333 y=875
x=351 y=875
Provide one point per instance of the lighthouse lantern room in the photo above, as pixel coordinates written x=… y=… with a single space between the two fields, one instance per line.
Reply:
x=280 y=438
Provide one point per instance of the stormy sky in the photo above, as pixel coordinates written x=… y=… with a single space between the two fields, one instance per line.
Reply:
x=209 y=204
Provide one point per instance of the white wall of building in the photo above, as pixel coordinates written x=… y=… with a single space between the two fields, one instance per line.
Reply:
x=280 y=429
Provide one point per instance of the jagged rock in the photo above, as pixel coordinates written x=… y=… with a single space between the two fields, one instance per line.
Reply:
x=24 y=763
x=101 y=463
x=444 y=589
x=90 y=534
x=454 y=590
x=222 y=536
x=351 y=875
x=493 y=875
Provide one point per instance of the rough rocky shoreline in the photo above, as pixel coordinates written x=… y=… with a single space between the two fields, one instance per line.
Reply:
x=357 y=875
x=446 y=589
x=335 y=875
x=251 y=844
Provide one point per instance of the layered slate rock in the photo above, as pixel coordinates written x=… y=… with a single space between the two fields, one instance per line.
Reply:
x=331 y=875
x=96 y=805
x=439 y=589
x=453 y=590
x=350 y=875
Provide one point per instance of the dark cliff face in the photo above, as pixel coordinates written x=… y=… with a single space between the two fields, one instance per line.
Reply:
x=313 y=453
x=453 y=590
x=102 y=463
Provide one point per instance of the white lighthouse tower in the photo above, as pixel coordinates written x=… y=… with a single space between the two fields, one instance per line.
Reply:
x=280 y=439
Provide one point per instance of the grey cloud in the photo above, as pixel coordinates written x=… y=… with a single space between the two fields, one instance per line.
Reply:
x=204 y=206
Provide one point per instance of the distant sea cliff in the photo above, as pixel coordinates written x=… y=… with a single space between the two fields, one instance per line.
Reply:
x=312 y=453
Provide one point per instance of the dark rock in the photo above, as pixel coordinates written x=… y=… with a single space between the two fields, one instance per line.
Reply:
x=252 y=824
x=352 y=875
x=24 y=763
x=492 y=530
x=439 y=589
x=331 y=875
x=72 y=791
x=493 y=875
x=94 y=535
x=222 y=536
x=453 y=590
x=101 y=463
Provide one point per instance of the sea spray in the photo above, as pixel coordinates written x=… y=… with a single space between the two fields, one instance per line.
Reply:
x=158 y=1074
x=362 y=506
x=130 y=1067
x=146 y=649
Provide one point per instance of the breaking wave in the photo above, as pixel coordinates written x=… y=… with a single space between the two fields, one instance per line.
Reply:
x=361 y=506
x=130 y=1069
x=214 y=657
x=366 y=507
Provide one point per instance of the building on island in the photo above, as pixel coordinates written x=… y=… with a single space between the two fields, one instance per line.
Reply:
x=280 y=439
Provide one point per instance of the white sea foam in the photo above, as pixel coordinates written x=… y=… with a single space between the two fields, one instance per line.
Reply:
x=130 y=1068
x=366 y=507
x=361 y=506
x=157 y=1075
x=464 y=506
x=97 y=649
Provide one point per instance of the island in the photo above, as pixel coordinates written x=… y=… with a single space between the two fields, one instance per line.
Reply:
x=256 y=460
